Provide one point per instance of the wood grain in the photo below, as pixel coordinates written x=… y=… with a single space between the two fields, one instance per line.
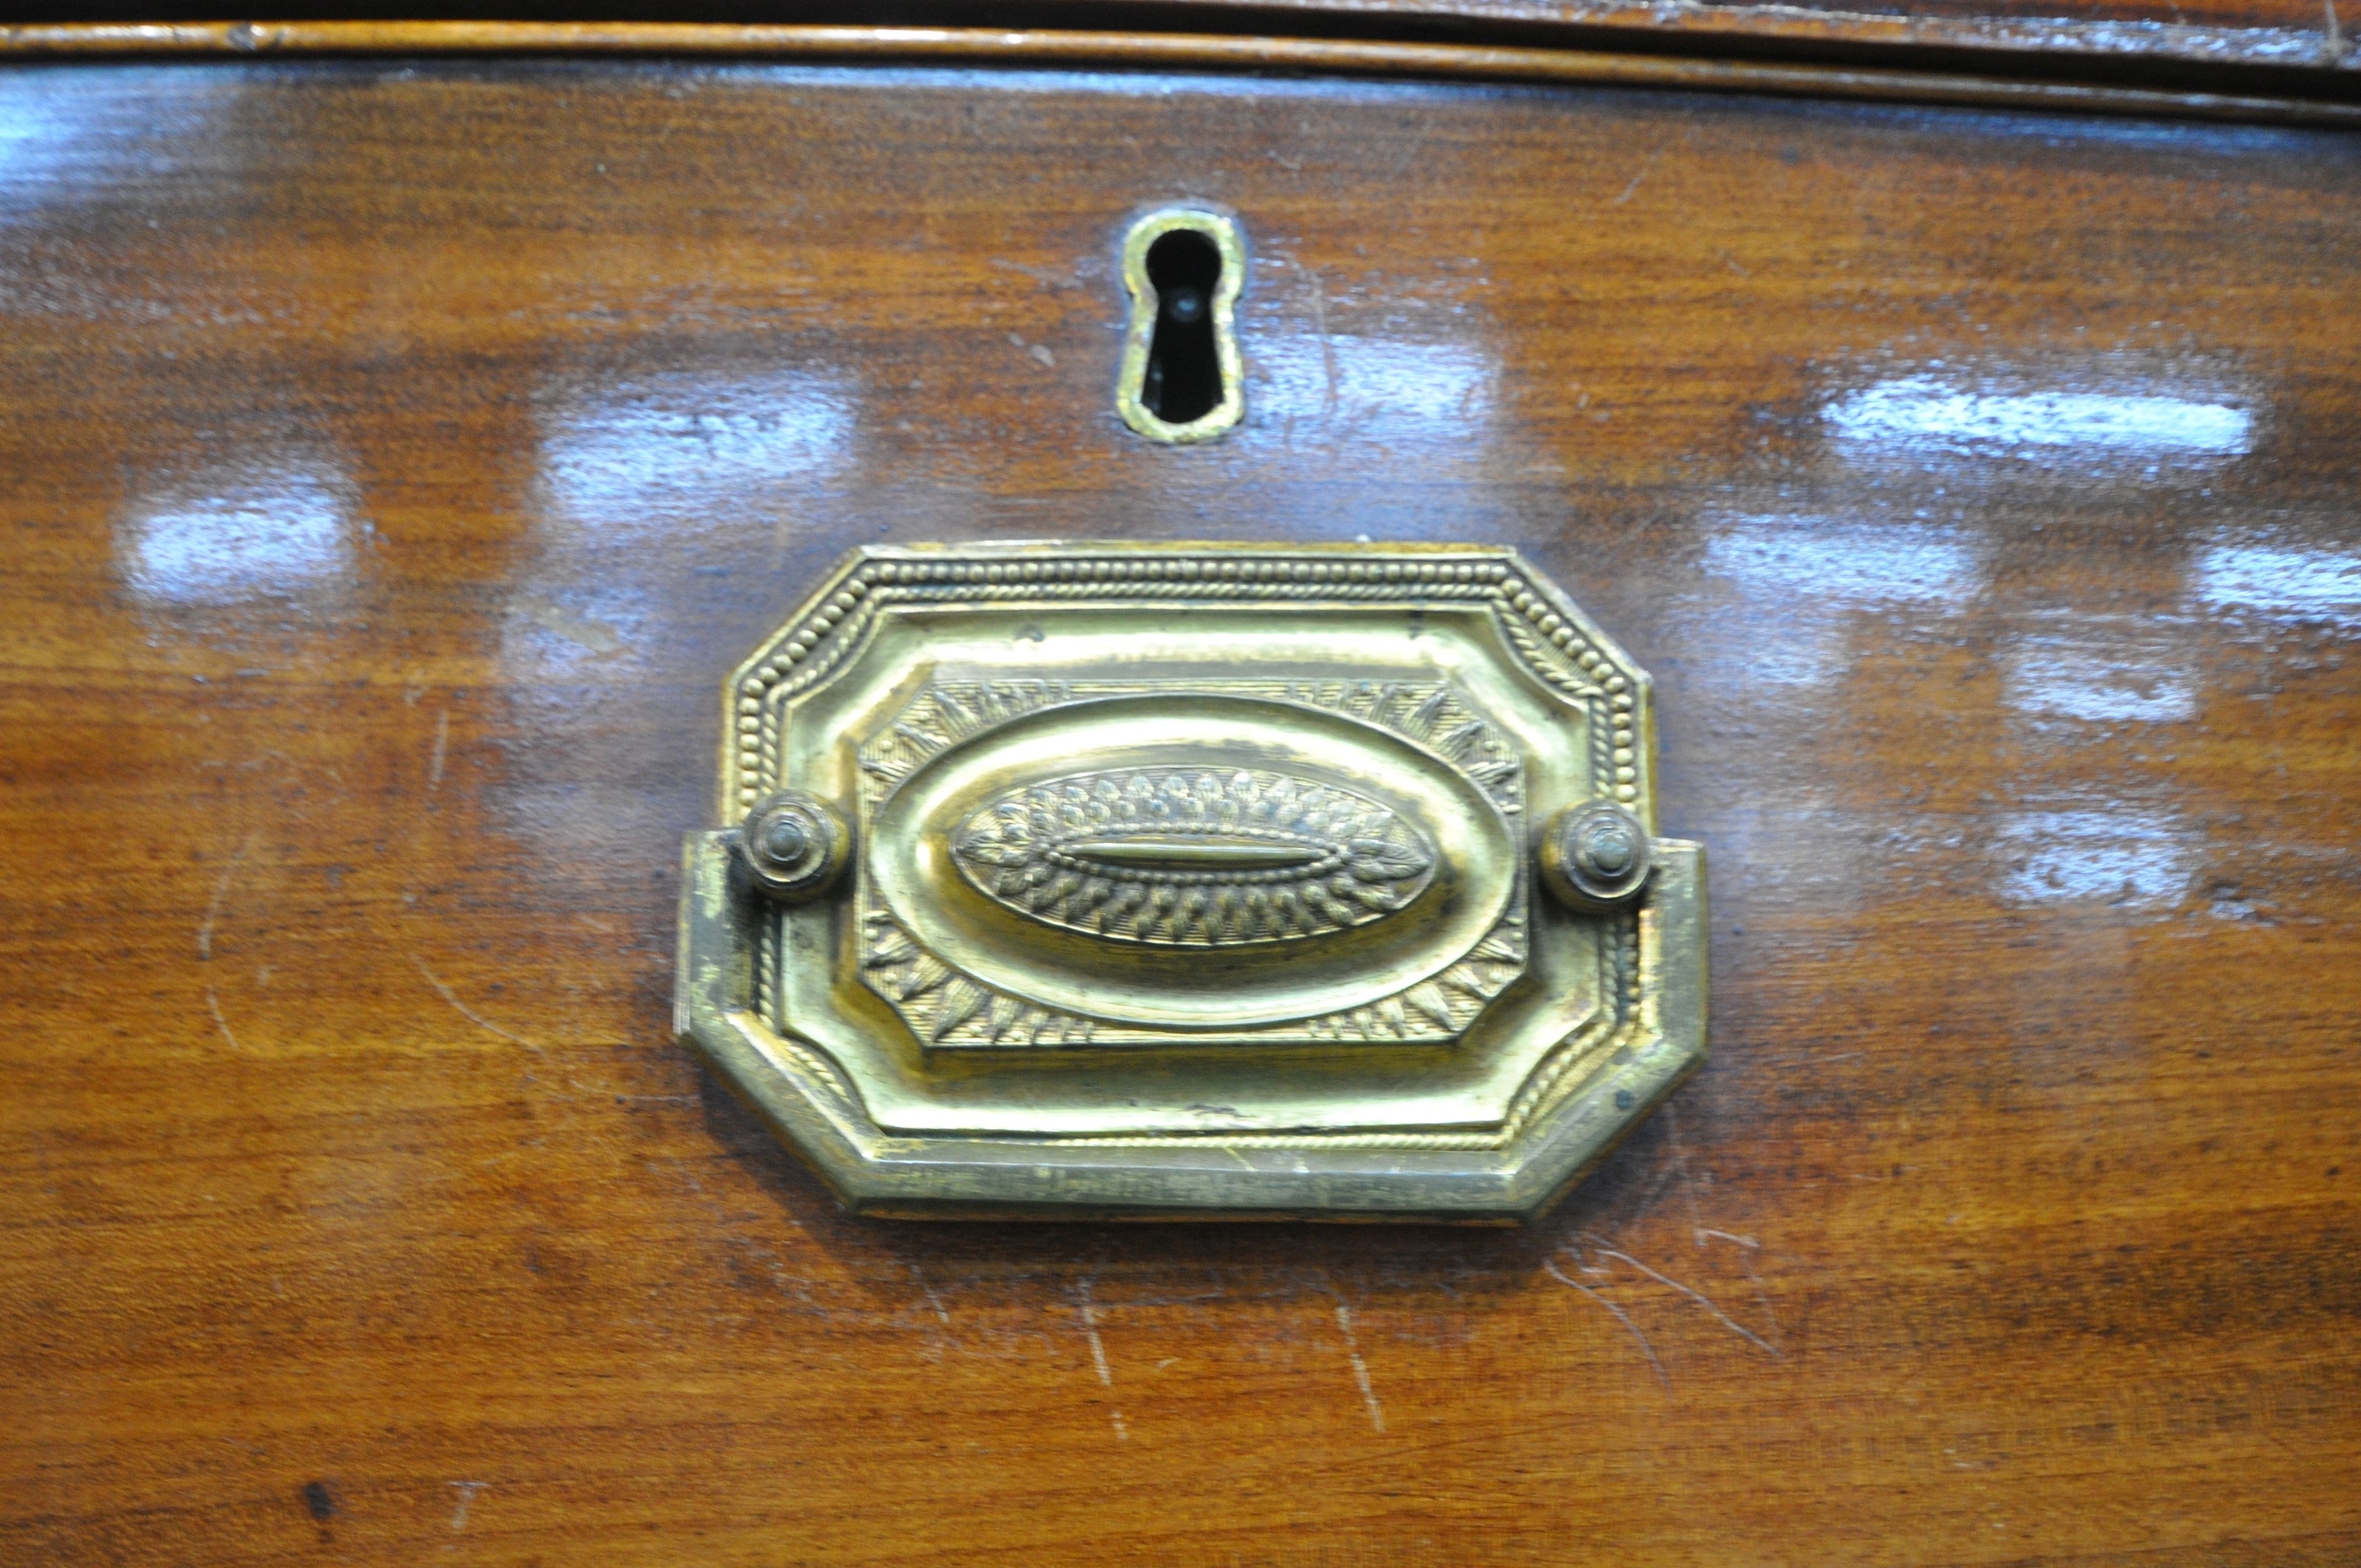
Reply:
x=2292 y=100
x=2269 y=35
x=401 y=451
x=2259 y=38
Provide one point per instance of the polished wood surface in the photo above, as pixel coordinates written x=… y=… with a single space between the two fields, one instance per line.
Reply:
x=2291 y=99
x=2261 y=39
x=399 y=453
x=2282 y=35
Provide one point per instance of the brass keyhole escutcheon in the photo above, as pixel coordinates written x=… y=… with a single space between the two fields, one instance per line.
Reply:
x=1182 y=378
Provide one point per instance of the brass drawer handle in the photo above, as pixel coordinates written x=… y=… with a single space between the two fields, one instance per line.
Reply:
x=1193 y=879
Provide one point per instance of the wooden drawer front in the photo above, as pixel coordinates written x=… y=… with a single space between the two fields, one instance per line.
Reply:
x=399 y=452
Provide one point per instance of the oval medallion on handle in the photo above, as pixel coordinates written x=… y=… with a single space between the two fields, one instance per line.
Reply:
x=1193 y=857
x=1182 y=860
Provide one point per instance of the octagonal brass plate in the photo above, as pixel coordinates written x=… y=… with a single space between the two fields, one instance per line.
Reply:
x=1193 y=880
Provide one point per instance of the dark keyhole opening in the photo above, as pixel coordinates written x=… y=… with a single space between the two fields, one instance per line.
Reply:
x=1185 y=372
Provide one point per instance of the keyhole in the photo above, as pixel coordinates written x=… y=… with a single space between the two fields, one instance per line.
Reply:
x=1184 y=373
x=1181 y=373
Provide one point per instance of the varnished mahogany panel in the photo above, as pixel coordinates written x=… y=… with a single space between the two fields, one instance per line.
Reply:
x=399 y=453
x=2258 y=38
x=1824 y=71
x=2285 y=34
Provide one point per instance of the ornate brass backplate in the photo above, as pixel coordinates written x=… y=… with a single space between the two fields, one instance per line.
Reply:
x=1193 y=880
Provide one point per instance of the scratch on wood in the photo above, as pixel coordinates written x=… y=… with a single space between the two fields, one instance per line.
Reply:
x=1098 y=1345
x=213 y=1005
x=1740 y=1329
x=1762 y=1297
x=205 y=934
x=1645 y=165
x=461 y=1008
x=441 y=748
x=220 y=892
x=934 y=1298
x=1361 y=1368
x=1700 y=1233
x=1090 y=1315
x=1620 y=1316
x=1319 y=330
x=466 y=1490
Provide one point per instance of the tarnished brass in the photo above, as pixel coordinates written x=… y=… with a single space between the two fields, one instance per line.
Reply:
x=1595 y=855
x=1132 y=398
x=794 y=845
x=1193 y=879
